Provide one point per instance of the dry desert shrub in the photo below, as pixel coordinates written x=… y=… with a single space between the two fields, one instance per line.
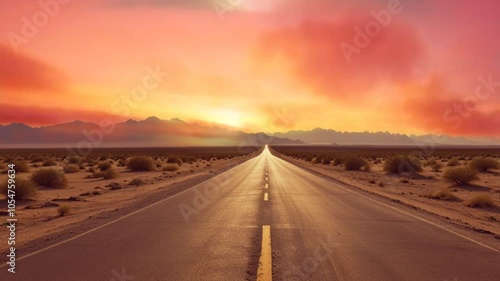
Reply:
x=141 y=163
x=483 y=164
x=461 y=175
x=49 y=162
x=443 y=194
x=402 y=164
x=355 y=163
x=63 y=210
x=436 y=167
x=103 y=166
x=71 y=168
x=480 y=201
x=50 y=178
x=137 y=182
x=21 y=166
x=25 y=189
x=170 y=167
x=453 y=162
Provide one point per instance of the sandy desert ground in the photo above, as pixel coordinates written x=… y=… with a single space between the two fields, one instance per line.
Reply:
x=94 y=201
x=416 y=190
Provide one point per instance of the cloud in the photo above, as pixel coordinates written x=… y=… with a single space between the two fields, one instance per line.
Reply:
x=39 y=116
x=434 y=108
x=311 y=52
x=21 y=72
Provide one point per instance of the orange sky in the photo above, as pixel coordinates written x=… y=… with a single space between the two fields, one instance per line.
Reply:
x=267 y=66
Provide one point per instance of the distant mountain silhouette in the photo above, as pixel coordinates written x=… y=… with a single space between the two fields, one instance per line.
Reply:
x=149 y=132
x=323 y=136
x=153 y=131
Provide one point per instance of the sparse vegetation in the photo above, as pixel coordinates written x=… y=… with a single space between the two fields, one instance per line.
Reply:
x=461 y=175
x=25 y=189
x=436 y=167
x=170 y=167
x=355 y=163
x=141 y=163
x=137 y=182
x=103 y=166
x=483 y=164
x=480 y=201
x=402 y=164
x=49 y=177
x=453 y=162
x=106 y=174
x=175 y=160
x=74 y=160
x=64 y=210
x=49 y=162
x=71 y=168
x=443 y=194
x=21 y=166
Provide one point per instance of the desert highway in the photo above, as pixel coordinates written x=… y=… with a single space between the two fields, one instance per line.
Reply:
x=265 y=219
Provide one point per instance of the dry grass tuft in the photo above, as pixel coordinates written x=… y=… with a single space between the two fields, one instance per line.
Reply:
x=481 y=201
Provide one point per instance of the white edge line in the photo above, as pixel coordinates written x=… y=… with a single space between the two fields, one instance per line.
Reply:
x=126 y=216
x=421 y=219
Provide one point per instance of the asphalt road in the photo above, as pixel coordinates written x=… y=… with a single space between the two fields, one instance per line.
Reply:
x=214 y=231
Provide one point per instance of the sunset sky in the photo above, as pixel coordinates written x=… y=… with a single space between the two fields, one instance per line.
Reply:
x=262 y=65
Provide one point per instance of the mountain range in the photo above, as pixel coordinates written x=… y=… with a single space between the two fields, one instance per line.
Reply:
x=175 y=132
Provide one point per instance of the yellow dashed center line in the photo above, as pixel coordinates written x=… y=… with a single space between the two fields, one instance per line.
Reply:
x=265 y=271
x=266 y=197
x=266 y=186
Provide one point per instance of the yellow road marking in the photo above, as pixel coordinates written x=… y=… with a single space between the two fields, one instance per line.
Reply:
x=267 y=186
x=266 y=197
x=265 y=271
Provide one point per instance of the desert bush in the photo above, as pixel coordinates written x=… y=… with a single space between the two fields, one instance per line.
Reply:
x=337 y=161
x=480 y=201
x=122 y=163
x=175 y=160
x=74 y=160
x=431 y=162
x=106 y=174
x=25 y=189
x=354 y=163
x=170 y=167
x=21 y=166
x=35 y=159
x=460 y=175
x=381 y=183
x=453 y=162
x=71 y=168
x=141 y=163
x=436 y=167
x=443 y=194
x=483 y=164
x=49 y=162
x=402 y=164
x=50 y=177
x=63 y=210
x=103 y=166
x=137 y=182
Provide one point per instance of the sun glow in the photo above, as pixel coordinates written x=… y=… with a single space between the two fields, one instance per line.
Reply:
x=227 y=117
